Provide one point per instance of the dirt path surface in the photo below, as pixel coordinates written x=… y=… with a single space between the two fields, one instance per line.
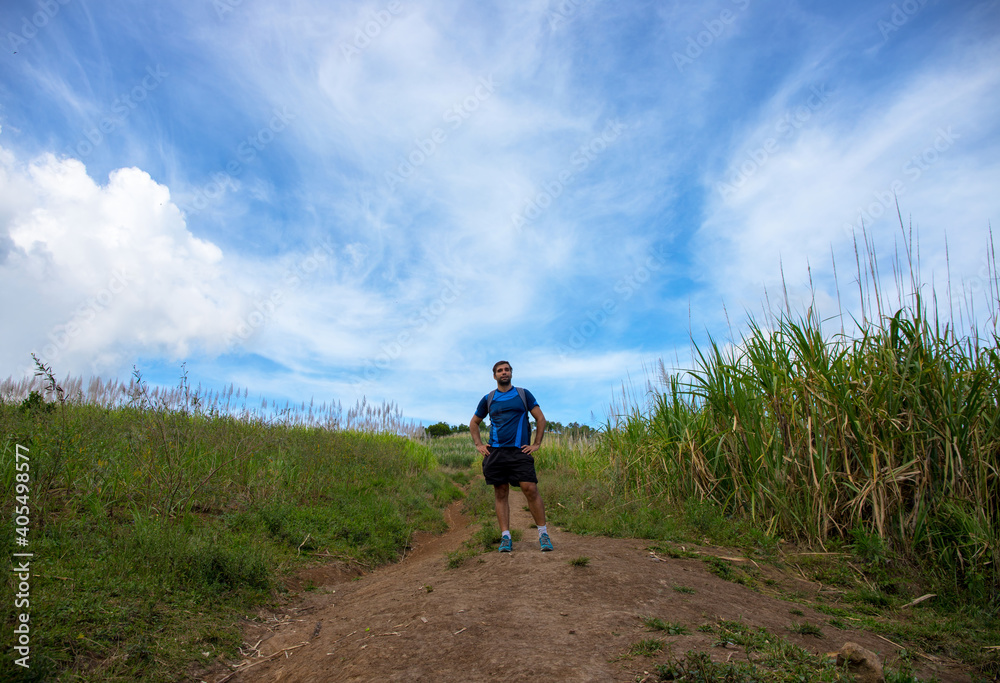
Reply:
x=524 y=616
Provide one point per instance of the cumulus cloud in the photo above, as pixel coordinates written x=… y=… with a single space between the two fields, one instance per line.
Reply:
x=95 y=275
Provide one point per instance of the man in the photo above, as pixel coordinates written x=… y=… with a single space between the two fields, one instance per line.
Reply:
x=507 y=460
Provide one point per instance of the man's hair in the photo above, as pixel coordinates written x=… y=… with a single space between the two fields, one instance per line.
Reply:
x=499 y=363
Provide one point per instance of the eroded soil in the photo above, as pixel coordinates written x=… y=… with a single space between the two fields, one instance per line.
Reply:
x=524 y=616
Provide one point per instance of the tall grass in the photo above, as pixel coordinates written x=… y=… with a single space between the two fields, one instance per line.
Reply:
x=573 y=452
x=230 y=401
x=892 y=430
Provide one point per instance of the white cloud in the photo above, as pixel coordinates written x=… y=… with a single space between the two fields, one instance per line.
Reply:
x=801 y=190
x=98 y=274
x=388 y=252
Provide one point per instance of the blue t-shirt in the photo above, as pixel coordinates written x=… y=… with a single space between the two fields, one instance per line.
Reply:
x=509 y=424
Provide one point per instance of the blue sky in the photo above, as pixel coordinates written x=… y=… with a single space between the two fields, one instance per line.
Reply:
x=380 y=199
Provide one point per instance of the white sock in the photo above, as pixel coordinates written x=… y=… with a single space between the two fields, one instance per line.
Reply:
x=505 y=534
x=544 y=529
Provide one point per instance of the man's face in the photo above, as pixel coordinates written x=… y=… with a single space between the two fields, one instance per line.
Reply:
x=502 y=374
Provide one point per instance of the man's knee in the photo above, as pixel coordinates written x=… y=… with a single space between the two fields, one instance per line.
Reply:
x=501 y=491
x=529 y=488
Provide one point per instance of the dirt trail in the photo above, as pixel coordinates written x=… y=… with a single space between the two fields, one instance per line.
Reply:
x=524 y=616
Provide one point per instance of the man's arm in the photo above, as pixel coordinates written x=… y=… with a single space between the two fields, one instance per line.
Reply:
x=536 y=413
x=474 y=429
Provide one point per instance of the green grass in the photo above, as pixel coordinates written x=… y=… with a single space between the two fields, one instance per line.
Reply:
x=648 y=647
x=806 y=629
x=698 y=667
x=455 y=451
x=156 y=531
x=668 y=627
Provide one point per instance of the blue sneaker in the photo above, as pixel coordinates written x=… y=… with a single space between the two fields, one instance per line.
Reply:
x=505 y=544
x=545 y=542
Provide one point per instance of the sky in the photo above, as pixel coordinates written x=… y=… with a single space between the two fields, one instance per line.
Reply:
x=381 y=199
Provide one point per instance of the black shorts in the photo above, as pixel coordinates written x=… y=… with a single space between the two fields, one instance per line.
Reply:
x=508 y=465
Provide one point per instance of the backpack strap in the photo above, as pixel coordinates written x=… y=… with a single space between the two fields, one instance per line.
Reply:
x=520 y=392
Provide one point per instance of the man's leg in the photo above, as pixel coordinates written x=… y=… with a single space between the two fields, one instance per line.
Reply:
x=502 y=505
x=535 y=503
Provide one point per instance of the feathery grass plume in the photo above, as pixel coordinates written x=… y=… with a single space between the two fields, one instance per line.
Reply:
x=112 y=393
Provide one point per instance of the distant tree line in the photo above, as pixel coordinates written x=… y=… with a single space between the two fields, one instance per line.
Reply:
x=444 y=429
x=574 y=429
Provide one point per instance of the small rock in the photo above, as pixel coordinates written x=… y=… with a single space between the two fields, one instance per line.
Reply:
x=864 y=664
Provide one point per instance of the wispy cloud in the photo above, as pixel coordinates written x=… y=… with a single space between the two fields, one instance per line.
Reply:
x=384 y=197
